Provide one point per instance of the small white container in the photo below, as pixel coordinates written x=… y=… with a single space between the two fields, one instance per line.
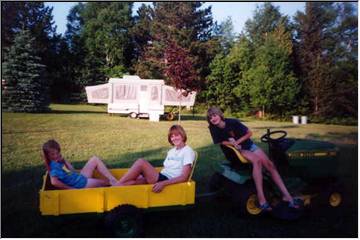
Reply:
x=303 y=119
x=295 y=119
x=154 y=117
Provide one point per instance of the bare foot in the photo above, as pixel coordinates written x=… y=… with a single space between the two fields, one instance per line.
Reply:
x=113 y=182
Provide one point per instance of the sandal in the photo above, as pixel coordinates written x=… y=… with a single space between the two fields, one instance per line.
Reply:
x=295 y=203
x=265 y=207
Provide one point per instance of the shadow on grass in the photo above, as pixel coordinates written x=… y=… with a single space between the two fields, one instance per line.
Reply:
x=349 y=138
x=20 y=208
x=76 y=112
x=278 y=128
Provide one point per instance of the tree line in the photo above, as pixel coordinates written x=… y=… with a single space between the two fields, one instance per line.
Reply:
x=280 y=66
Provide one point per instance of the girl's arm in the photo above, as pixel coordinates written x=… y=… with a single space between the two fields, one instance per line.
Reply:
x=159 y=186
x=244 y=138
x=69 y=166
x=59 y=184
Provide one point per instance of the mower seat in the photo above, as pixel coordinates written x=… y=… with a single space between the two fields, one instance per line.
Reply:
x=234 y=154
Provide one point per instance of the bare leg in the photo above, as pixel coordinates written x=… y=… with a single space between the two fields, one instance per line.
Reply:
x=269 y=165
x=257 y=174
x=139 y=180
x=143 y=167
x=96 y=163
x=93 y=182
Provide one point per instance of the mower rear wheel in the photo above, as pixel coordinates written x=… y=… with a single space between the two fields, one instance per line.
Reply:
x=335 y=199
x=332 y=196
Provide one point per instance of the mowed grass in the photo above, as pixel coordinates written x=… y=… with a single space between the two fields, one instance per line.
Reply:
x=85 y=130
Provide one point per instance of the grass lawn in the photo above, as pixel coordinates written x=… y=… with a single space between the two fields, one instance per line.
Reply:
x=84 y=130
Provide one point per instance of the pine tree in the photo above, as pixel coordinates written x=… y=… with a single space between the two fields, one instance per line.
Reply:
x=25 y=87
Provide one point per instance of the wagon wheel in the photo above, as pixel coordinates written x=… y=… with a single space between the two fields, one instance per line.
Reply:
x=133 y=115
x=124 y=221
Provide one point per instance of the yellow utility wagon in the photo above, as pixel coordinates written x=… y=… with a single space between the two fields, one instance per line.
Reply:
x=103 y=199
x=123 y=203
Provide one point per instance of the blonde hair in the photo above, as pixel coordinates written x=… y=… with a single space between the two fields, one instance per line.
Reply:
x=177 y=129
x=214 y=110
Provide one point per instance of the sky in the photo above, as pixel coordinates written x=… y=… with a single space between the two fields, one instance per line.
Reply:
x=238 y=11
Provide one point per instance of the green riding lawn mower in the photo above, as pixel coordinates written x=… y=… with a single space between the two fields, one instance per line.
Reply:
x=308 y=168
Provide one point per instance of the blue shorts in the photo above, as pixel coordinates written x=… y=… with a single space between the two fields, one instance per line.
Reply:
x=162 y=177
x=253 y=148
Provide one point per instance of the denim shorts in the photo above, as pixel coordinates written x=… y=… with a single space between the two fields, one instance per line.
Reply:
x=253 y=148
x=162 y=177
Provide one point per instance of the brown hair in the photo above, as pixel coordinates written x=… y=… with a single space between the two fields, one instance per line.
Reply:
x=214 y=110
x=177 y=129
x=51 y=144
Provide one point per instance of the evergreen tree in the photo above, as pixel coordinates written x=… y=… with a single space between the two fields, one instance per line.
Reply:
x=141 y=29
x=326 y=43
x=26 y=89
x=32 y=16
x=224 y=32
x=77 y=51
x=265 y=20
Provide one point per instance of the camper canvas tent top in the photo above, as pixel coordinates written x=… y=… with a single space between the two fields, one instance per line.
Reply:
x=133 y=95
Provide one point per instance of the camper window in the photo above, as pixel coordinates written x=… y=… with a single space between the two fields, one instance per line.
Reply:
x=125 y=92
x=154 y=93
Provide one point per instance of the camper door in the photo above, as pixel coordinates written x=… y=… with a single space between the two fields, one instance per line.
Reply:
x=144 y=98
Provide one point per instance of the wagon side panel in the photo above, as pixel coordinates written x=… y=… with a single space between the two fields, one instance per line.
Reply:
x=134 y=195
x=81 y=201
x=177 y=194
x=49 y=203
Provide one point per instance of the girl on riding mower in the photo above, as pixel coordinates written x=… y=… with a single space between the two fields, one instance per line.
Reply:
x=177 y=164
x=229 y=131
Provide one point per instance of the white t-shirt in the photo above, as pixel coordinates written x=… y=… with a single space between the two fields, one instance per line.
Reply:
x=176 y=159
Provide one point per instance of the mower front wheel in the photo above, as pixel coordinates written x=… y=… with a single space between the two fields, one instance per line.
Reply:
x=246 y=198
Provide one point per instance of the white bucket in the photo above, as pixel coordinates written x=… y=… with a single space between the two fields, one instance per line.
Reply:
x=154 y=117
x=295 y=119
x=303 y=119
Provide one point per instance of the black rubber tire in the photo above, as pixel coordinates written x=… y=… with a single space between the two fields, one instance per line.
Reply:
x=244 y=197
x=125 y=221
x=332 y=196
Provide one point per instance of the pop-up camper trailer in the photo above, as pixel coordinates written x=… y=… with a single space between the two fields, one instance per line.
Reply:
x=138 y=97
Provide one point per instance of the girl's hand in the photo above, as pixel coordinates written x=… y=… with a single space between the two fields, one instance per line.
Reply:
x=158 y=187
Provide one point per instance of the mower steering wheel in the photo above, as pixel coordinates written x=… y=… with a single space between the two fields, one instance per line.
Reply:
x=267 y=136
